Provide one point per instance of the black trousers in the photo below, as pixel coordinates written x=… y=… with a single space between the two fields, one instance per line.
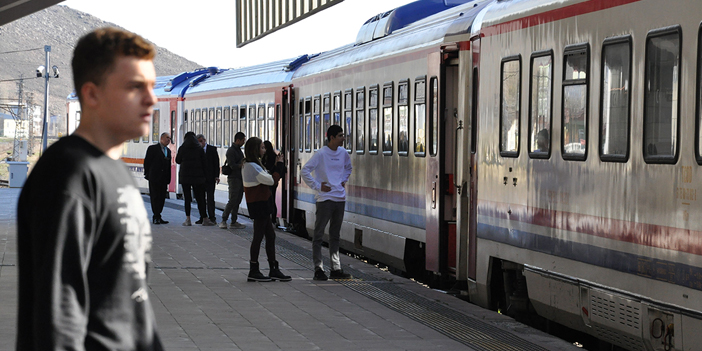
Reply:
x=199 y=191
x=209 y=197
x=157 y=193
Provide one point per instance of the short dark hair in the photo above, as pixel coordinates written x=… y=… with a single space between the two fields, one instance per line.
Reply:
x=333 y=131
x=239 y=136
x=96 y=52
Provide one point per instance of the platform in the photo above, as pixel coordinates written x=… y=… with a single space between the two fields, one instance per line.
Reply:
x=203 y=301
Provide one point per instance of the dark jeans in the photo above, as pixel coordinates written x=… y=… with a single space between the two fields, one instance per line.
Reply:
x=236 y=193
x=199 y=190
x=209 y=198
x=157 y=193
x=263 y=227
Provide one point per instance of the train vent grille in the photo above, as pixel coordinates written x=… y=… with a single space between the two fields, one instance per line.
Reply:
x=616 y=319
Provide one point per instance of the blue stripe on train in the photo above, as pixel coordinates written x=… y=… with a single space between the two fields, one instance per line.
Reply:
x=383 y=213
x=661 y=270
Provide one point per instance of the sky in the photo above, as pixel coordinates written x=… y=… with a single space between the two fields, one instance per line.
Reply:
x=204 y=31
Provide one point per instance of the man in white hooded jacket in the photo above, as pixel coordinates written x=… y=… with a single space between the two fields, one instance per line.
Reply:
x=331 y=166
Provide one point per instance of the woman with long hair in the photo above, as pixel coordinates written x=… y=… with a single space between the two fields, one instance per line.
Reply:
x=191 y=158
x=257 y=182
x=269 y=160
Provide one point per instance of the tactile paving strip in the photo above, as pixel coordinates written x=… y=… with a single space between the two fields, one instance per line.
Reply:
x=457 y=326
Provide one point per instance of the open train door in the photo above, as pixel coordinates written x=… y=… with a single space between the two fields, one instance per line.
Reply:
x=442 y=98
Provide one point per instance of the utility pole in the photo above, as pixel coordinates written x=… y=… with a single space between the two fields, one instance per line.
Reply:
x=47 y=50
x=18 y=122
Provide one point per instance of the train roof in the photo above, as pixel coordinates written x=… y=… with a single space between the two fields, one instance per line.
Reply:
x=426 y=32
x=503 y=11
x=277 y=72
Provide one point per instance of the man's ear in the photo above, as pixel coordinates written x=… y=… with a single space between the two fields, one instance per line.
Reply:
x=90 y=94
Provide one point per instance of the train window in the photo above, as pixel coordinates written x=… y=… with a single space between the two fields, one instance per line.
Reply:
x=235 y=123
x=316 y=135
x=212 y=129
x=420 y=116
x=301 y=127
x=661 y=92
x=190 y=122
x=403 y=117
x=196 y=130
x=227 y=136
x=186 y=124
x=698 y=132
x=242 y=119
x=203 y=122
x=252 y=121
x=360 y=120
x=387 y=118
x=155 y=122
x=337 y=108
x=308 y=124
x=271 y=124
x=219 y=132
x=574 y=135
x=173 y=125
x=262 y=122
x=510 y=113
x=615 y=99
x=373 y=119
x=541 y=86
x=348 y=119
x=433 y=116
x=327 y=118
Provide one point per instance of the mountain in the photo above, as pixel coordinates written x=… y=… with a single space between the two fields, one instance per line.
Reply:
x=60 y=27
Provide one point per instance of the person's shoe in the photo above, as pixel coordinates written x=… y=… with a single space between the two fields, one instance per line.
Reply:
x=223 y=225
x=207 y=222
x=237 y=225
x=255 y=275
x=199 y=221
x=161 y=221
x=319 y=275
x=187 y=223
x=156 y=221
x=339 y=274
x=276 y=274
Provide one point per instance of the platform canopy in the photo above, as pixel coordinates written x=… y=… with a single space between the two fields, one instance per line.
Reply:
x=257 y=18
x=11 y=10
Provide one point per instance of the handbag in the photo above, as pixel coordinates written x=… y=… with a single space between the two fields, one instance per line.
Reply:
x=226 y=170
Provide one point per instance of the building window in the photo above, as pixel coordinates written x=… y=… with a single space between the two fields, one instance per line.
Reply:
x=575 y=97
x=510 y=92
x=541 y=86
x=615 y=113
x=661 y=96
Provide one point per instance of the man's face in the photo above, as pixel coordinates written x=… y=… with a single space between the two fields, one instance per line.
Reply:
x=338 y=139
x=240 y=142
x=165 y=139
x=202 y=141
x=125 y=99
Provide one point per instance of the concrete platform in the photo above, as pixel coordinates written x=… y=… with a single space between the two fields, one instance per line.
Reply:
x=203 y=301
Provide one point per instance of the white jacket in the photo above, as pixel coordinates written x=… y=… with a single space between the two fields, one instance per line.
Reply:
x=331 y=167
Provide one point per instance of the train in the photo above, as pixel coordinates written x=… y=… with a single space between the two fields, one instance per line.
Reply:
x=541 y=156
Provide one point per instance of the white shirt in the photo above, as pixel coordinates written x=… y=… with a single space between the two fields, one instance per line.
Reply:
x=331 y=167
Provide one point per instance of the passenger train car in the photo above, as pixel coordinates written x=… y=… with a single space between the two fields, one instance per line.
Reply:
x=541 y=154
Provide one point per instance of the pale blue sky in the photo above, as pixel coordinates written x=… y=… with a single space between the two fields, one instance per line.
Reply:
x=203 y=30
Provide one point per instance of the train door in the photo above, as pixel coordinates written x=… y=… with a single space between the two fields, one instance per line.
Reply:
x=290 y=130
x=442 y=124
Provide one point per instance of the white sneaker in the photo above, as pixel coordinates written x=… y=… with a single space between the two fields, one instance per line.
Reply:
x=223 y=225
x=237 y=225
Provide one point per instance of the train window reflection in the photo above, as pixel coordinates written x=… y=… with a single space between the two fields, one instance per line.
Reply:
x=373 y=119
x=301 y=125
x=575 y=88
x=360 y=120
x=212 y=127
x=316 y=135
x=337 y=109
x=155 y=120
x=661 y=86
x=196 y=129
x=433 y=116
x=348 y=119
x=420 y=117
x=226 y=128
x=218 y=128
x=614 y=118
x=540 y=105
x=510 y=111
x=327 y=118
x=387 y=118
x=403 y=117
x=261 y=122
x=308 y=124
x=252 y=121
x=271 y=125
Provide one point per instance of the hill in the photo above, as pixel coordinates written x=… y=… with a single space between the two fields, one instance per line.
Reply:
x=60 y=27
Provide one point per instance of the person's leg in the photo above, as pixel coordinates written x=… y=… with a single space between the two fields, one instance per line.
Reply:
x=270 y=240
x=238 y=184
x=199 y=190
x=154 y=194
x=259 y=231
x=322 y=215
x=337 y=217
x=210 y=188
x=228 y=207
x=188 y=197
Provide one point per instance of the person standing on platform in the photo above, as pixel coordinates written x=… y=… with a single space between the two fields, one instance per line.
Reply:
x=191 y=159
x=331 y=166
x=235 y=161
x=83 y=233
x=256 y=186
x=270 y=160
x=157 y=170
x=211 y=177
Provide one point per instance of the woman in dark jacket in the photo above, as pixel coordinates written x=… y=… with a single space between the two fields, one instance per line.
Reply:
x=270 y=159
x=191 y=158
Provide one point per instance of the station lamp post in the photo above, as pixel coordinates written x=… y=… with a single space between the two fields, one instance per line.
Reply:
x=43 y=72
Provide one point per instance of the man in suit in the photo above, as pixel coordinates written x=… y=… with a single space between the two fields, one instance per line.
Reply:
x=211 y=177
x=157 y=170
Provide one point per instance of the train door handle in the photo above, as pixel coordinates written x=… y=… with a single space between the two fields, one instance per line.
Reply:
x=433 y=195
